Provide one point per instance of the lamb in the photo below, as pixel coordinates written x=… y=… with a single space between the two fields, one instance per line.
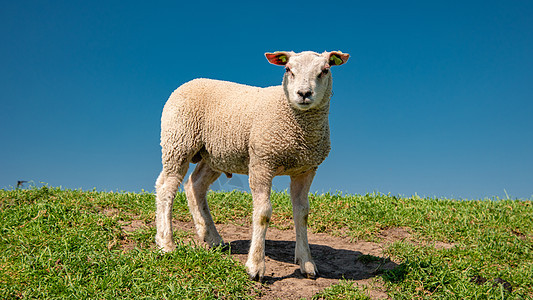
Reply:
x=228 y=128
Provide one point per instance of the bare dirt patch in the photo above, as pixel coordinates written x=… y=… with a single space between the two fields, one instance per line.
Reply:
x=336 y=258
x=129 y=227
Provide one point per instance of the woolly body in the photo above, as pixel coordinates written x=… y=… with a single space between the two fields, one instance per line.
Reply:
x=227 y=123
x=227 y=127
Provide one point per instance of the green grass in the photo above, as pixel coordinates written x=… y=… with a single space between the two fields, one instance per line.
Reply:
x=344 y=290
x=58 y=243
x=66 y=244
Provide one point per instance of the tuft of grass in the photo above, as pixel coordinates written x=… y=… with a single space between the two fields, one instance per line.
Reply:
x=343 y=290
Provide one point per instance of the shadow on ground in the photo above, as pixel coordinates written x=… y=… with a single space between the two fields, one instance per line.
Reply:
x=332 y=263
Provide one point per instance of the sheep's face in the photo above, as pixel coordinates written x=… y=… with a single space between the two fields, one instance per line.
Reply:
x=307 y=80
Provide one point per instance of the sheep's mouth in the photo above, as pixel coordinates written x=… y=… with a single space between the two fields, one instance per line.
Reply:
x=304 y=101
x=304 y=104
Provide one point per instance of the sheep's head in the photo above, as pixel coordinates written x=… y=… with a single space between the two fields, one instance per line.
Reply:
x=307 y=80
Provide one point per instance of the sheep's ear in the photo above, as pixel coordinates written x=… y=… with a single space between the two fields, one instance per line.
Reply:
x=278 y=58
x=337 y=58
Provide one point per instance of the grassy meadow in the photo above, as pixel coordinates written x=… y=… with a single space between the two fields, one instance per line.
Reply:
x=57 y=243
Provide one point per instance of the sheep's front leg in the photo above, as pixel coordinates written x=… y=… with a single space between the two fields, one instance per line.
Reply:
x=300 y=207
x=260 y=188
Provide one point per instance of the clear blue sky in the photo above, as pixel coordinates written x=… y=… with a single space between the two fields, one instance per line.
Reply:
x=436 y=99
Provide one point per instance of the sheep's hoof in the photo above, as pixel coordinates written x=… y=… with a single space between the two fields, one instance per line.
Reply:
x=256 y=273
x=256 y=277
x=169 y=248
x=309 y=270
x=311 y=275
x=165 y=246
x=213 y=241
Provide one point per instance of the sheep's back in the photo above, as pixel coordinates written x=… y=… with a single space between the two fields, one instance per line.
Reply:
x=217 y=115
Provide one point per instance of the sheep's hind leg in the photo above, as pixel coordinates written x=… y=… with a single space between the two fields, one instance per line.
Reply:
x=167 y=185
x=196 y=189
x=300 y=206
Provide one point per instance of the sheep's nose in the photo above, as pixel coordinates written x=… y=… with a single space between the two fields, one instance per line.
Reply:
x=305 y=94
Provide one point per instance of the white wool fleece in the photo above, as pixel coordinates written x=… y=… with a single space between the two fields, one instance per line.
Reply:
x=227 y=127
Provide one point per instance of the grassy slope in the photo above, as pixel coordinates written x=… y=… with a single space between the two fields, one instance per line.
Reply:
x=64 y=243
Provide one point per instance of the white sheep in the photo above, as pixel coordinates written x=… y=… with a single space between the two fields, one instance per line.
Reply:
x=227 y=127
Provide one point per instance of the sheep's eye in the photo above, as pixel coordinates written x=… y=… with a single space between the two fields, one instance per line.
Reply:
x=288 y=71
